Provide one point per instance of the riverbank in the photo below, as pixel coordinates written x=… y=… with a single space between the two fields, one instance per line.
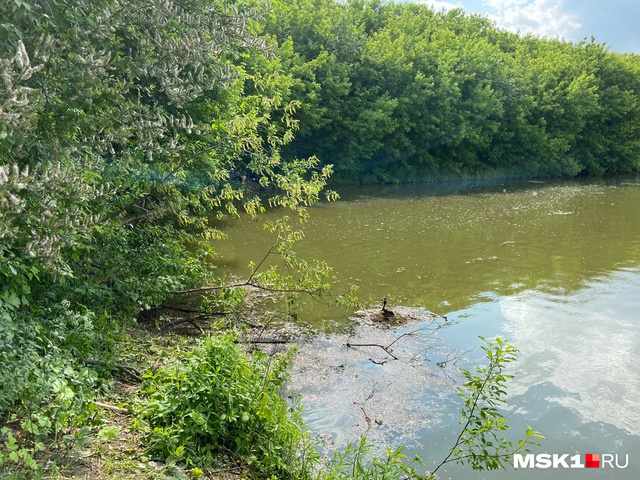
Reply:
x=125 y=443
x=207 y=399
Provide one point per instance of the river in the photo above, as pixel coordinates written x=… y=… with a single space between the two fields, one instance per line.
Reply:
x=554 y=267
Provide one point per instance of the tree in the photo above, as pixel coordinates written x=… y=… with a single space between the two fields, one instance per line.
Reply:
x=121 y=124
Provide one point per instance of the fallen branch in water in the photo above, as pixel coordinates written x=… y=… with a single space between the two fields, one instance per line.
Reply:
x=386 y=349
x=377 y=362
x=361 y=406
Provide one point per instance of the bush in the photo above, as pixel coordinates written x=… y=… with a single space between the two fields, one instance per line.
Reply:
x=358 y=462
x=219 y=402
x=45 y=388
x=40 y=373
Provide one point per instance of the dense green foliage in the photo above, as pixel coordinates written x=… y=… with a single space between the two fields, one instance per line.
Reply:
x=397 y=91
x=125 y=126
x=120 y=123
x=219 y=402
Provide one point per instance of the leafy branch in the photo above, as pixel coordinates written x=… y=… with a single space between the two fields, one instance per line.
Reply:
x=478 y=443
x=302 y=277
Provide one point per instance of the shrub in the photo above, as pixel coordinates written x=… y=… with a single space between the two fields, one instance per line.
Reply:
x=40 y=373
x=358 y=462
x=220 y=402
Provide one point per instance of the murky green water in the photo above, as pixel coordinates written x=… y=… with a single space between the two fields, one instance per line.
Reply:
x=553 y=267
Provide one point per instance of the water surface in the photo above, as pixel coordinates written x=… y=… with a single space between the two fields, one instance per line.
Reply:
x=554 y=267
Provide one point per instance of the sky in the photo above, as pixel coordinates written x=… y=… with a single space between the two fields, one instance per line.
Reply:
x=614 y=22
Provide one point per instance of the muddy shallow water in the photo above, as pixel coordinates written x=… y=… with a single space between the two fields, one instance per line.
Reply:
x=553 y=267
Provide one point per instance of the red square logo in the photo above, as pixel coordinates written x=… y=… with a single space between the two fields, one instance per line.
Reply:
x=593 y=460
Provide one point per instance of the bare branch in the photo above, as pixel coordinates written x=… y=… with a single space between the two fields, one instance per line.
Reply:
x=190 y=310
x=386 y=349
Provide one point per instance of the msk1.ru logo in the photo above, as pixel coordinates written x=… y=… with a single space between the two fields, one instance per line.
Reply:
x=555 y=460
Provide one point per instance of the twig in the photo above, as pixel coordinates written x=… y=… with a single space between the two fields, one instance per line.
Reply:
x=189 y=310
x=275 y=342
x=378 y=363
x=244 y=284
x=361 y=406
x=111 y=407
x=249 y=282
x=255 y=270
x=266 y=325
x=386 y=349
x=131 y=219
x=203 y=289
x=186 y=159
x=444 y=363
x=474 y=405
x=251 y=324
x=177 y=323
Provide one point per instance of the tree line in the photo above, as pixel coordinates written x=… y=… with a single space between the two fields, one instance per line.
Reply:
x=397 y=91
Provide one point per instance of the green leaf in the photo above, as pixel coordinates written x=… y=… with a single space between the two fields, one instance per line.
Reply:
x=109 y=432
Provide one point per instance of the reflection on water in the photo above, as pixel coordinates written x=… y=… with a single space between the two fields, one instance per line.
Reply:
x=587 y=344
x=553 y=267
x=577 y=377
